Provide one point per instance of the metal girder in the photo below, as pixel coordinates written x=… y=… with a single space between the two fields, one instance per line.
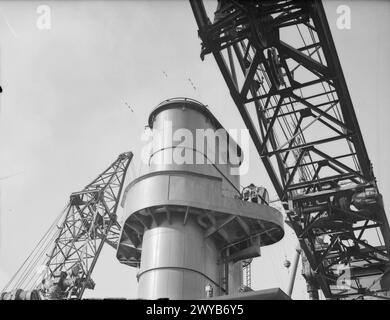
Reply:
x=303 y=126
x=90 y=222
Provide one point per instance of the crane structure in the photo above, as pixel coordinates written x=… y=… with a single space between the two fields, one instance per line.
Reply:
x=72 y=246
x=281 y=67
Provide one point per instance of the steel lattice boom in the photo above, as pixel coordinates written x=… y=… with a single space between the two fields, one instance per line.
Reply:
x=280 y=64
x=74 y=241
x=90 y=222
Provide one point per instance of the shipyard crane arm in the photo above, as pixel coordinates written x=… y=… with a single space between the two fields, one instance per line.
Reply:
x=71 y=247
x=280 y=64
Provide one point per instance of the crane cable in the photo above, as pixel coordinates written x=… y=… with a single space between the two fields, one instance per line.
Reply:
x=32 y=256
x=39 y=251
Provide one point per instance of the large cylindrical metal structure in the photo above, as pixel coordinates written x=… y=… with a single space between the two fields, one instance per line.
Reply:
x=177 y=262
x=186 y=227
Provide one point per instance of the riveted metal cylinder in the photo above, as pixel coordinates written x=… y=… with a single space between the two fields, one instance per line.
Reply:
x=185 y=225
x=186 y=136
x=178 y=262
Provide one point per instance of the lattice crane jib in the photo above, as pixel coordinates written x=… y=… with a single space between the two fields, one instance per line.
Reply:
x=90 y=222
x=280 y=64
x=71 y=247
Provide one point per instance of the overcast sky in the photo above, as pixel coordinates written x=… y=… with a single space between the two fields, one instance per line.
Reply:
x=64 y=117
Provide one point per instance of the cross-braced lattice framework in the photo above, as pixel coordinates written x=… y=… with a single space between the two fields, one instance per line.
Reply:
x=90 y=222
x=247 y=273
x=280 y=64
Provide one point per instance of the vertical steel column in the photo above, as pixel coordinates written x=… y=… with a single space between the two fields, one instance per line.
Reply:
x=294 y=270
